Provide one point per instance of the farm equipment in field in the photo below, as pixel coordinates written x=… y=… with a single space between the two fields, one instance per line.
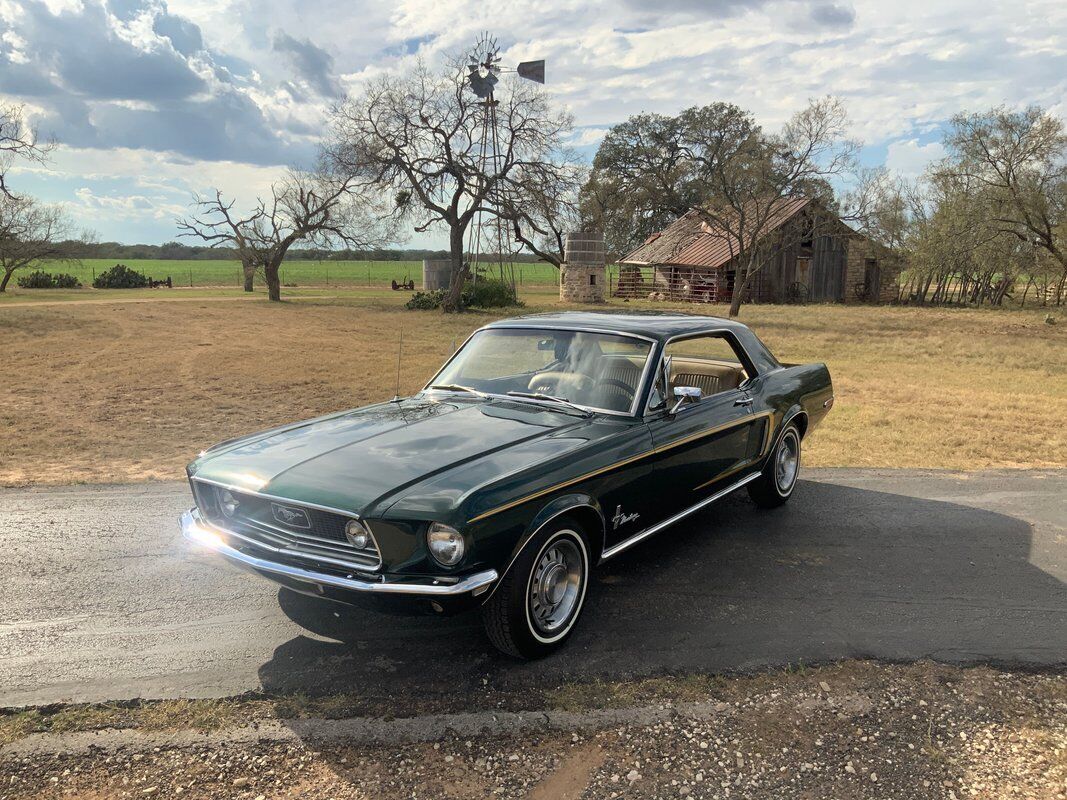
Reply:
x=408 y=286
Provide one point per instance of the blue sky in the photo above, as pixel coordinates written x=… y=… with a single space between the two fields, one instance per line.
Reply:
x=153 y=101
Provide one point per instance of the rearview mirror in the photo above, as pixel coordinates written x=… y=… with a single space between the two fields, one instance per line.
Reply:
x=546 y=344
x=690 y=394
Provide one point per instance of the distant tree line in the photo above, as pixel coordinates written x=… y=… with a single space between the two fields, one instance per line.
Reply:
x=177 y=251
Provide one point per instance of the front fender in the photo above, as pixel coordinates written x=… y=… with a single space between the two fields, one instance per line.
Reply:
x=586 y=507
x=582 y=505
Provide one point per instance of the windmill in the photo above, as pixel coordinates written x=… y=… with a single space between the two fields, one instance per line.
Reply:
x=483 y=74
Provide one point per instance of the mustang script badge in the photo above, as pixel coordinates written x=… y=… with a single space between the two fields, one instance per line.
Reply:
x=622 y=519
x=293 y=517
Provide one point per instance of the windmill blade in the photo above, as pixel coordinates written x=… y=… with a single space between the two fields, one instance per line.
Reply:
x=532 y=70
x=481 y=85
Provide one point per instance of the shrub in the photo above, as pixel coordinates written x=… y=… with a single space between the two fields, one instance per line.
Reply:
x=120 y=277
x=39 y=279
x=64 y=281
x=489 y=293
x=424 y=301
x=486 y=293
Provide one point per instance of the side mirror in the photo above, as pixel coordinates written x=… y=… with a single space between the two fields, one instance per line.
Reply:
x=685 y=394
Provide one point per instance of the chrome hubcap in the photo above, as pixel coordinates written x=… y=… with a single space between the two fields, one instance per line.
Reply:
x=555 y=586
x=787 y=463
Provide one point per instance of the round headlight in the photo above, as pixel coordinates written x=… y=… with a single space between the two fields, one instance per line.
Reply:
x=446 y=544
x=357 y=534
x=227 y=502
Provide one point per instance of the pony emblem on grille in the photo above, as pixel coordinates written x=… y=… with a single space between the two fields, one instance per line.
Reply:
x=293 y=517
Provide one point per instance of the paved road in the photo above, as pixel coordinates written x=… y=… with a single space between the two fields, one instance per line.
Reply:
x=102 y=601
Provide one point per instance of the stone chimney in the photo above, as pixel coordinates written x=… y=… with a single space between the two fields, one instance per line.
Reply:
x=583 y=274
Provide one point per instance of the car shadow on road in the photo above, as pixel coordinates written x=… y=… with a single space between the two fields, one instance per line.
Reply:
x=839 y=572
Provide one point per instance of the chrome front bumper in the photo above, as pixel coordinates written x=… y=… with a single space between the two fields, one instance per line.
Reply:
x=196 y=531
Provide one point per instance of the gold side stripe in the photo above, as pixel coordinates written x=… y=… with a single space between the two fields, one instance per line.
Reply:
x=624 y=462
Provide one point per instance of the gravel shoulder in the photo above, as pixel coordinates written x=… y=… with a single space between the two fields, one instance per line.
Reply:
x=856 y=729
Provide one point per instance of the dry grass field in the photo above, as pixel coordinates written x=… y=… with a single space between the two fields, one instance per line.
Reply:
x=107 y=391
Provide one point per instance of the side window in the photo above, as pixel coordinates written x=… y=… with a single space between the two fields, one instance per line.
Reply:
x=709 y=363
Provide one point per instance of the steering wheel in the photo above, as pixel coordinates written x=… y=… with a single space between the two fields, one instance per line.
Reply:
x=622 y=386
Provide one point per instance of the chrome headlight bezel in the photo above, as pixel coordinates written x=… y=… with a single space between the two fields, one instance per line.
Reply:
x=358 y=534
x=446 y=545
x=228 y=504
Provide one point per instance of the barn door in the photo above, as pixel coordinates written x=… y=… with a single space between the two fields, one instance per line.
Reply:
x=872 y=280
x=824 y=274
x=828 y=276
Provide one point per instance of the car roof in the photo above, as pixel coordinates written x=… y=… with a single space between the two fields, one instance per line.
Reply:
x=656 y=325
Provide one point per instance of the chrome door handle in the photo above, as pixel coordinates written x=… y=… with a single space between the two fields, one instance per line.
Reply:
x=744 y=401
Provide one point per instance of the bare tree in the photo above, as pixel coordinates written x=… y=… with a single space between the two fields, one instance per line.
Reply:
x=18 y=140
x=418 y=137
x=543 y=208
x=303 y=207
x=30 y=232
x=1019 y=161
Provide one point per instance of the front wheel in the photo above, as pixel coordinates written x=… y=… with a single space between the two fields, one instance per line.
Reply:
x=537 y=603
x=775 y=484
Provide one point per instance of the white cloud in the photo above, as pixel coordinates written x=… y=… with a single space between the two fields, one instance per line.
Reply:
x=910 y=158
x=214 y=88
x=586 y=137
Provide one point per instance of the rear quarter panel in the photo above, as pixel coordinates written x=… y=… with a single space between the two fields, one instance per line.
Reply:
x=795 y=389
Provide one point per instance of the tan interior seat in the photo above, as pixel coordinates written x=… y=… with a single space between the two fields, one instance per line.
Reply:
x=711 y=377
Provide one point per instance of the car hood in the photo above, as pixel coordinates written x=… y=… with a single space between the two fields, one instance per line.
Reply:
x=359 y=461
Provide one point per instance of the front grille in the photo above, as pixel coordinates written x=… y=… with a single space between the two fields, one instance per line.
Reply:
x=322 y=540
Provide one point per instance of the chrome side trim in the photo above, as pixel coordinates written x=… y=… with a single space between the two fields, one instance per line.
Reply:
x=616 y=549
x=200 y=534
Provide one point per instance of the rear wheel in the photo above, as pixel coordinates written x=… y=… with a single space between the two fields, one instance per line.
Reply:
x=775 y=484
x=537 y=603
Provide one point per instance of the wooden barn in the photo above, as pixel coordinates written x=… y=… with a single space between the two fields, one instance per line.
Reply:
x=808 y=255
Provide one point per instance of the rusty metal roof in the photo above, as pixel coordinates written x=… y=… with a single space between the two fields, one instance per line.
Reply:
x=689 y=241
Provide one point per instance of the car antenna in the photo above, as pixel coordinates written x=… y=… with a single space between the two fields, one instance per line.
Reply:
x=399 y=352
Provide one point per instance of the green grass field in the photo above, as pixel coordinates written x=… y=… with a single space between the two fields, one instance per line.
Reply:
x=225 y=272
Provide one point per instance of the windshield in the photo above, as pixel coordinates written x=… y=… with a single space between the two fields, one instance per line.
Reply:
x=600 y=371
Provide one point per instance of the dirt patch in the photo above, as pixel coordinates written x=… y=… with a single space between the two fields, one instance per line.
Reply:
x=112 y=391
x=571 y=778
x=853 y=730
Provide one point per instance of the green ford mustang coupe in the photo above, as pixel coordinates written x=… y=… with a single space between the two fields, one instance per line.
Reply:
x=545 y=445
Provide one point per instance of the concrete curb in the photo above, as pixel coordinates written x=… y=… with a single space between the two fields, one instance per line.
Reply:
x=368 y=730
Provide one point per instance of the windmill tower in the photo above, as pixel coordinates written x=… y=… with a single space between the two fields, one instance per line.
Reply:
x=488 y=232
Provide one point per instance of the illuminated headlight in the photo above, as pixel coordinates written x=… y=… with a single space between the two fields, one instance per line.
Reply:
x=446 y=544
x=227 y=502
x=357 y=534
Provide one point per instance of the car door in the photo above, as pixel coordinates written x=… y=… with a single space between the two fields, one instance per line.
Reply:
x=705 y=441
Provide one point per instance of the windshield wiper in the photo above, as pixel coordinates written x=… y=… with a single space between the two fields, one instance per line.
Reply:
x=455 y=387
x=552 y=398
